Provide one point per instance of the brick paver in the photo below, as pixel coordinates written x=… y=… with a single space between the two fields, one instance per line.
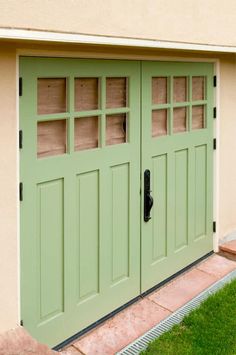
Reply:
x=18 y=342
x=122 y=329
x=217 y=266
x=183 y=289
x=229 y=247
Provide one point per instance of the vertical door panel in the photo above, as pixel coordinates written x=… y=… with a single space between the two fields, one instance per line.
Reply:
x=50 y=229
x=181 y=199
x=200 y=191
x=120 y=222
x=160 y=213
x=88 y=234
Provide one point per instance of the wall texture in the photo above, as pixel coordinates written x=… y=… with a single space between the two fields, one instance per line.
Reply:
x=8 y=191
x=227 y=147
x=205 y=22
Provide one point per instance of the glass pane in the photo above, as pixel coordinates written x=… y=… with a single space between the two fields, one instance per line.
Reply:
x=86 y=94
x=116 y=131
x=179 y=122
x=159 y=123
x=86 y=133
x=198 y=88
x=51 y=95
x=116 y=91
x=198 y=117
x=51 y=137
x=180 y=89
x=159 y=90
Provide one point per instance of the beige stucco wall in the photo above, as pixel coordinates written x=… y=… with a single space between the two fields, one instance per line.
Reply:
x=9 y=297
x=8 y=191
x=227 y=151
x=211 y=21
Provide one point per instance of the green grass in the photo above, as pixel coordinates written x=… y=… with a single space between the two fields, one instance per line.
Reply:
x=208 y=330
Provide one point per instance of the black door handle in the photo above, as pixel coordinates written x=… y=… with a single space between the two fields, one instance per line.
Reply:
x=148 y=199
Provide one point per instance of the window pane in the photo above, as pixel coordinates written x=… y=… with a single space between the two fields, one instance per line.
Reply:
x=86 y=94
x=179 y=124
x=198 y=117
x=180 y=89
x=51 y=137
x=159 y=123
x=159 y=90
x=51 y=95
x=116 y=129
x=86 y=133
x=198 y=88
x=116 y=92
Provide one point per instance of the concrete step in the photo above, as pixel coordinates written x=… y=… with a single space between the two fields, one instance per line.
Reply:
x=228 y=250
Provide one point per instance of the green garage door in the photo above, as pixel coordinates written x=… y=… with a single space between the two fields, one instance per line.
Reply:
x=87 y=245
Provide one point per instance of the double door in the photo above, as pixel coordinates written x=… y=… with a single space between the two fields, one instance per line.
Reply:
x=116 y=170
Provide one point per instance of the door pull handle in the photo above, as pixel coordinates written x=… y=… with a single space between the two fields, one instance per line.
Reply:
x=148 y=199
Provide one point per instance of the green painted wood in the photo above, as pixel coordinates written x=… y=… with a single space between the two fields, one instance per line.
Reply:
x=80 y=225
x=181 y=166
x=82 y=214
x=50 y=240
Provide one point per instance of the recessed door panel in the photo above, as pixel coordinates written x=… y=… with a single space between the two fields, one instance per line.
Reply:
x=181 y=199
x=160 y=213
x=120 y=230
x=88 y=233
x=200 y=191
x=50 y=239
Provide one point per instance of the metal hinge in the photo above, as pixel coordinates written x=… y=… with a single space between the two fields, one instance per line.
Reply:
x=214 y=143
x=20 y=139
x=20 y=87
x=214 y=80
x=214 y=227
x=21 y=191
x=21 y=323
x=214 y=112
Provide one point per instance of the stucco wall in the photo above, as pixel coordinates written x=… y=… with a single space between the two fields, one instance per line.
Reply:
x=9 y=297
x=227 y=147
x=211 y=21
x=8 y=192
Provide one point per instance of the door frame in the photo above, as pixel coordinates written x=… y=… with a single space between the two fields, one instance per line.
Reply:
x=79 y=55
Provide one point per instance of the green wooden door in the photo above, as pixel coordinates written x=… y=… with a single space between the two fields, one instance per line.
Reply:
x=80 y=166
x=85 y=146
x=177 y=149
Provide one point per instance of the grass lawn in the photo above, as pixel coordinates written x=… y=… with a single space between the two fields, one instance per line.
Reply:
x=208 y=330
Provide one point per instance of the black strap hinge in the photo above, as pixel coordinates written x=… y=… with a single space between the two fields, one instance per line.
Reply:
x=21 y=323
x=20 y=139
x=20 y=87
x=214 y=112
x=214 y=143
x=214 y=80
x=21 y=191
x=214 y=227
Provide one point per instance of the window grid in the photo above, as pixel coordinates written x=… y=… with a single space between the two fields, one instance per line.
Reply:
x=189 y=104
